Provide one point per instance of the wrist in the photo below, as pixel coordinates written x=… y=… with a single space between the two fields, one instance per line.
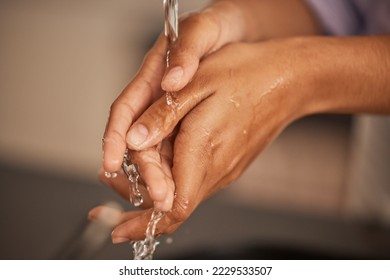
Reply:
x=345 y=74
x=348 y=75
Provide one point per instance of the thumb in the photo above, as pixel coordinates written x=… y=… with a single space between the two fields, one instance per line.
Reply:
x=160 y=119
x=199 y=35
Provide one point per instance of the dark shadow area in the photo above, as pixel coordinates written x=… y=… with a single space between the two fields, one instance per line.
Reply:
x=44 y=217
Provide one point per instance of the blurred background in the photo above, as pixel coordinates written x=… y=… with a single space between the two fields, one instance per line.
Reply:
x=319 y=191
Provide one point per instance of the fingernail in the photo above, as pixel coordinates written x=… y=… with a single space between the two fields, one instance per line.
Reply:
x=137 y=135
x=174 y=76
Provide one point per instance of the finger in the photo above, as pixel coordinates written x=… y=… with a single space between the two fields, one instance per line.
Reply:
x=189 y=170
x=121 y=185
x=120 y=216
x=132 y=229
x=201 y=34
x=187 y=190
x=135 y=98
x=122 y=220
x=192 y=44
x=159 y=120
x=155 y=169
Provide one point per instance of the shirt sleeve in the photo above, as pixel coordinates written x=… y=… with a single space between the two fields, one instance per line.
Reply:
x=337 y=17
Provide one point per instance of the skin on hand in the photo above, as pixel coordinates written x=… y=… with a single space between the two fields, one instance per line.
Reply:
x=226 y=21
x=198 y=104
x=153 y=76
x=154 y=165
x=242 y=97
x=231 y=110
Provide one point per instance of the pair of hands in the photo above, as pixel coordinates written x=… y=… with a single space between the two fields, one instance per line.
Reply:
x=230 y=101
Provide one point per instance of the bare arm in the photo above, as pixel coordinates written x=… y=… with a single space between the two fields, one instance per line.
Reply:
x=265 y=19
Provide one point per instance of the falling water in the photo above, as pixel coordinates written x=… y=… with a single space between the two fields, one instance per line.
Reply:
x=144 y=249
x=171 y=30
x=131 y=171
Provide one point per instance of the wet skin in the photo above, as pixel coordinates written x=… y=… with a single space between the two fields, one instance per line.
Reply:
x=239 y=98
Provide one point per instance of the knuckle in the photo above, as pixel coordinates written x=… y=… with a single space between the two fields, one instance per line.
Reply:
x=153 y=59
x=200 y=19
x=180 y=212
x=122 y=110
x=194 y=25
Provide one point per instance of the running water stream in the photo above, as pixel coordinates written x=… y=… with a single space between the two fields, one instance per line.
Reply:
x=143 y=249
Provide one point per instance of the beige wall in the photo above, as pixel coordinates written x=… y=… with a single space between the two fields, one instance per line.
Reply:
x=62 y=63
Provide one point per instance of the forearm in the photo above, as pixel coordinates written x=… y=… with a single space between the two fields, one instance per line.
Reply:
x=257 y=20
x=346 y=75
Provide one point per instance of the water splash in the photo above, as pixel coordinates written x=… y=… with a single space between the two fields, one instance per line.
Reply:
x=144 y=249
x=131 y=171
x=170 y=99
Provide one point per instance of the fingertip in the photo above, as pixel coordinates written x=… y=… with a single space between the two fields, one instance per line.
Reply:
x=173 y=79
x=137 y=136
x=111 y=165
x=106 y=176
x=157 y=188
x=94 y=213
x=113 y=150
x=183 y=66
x=162 y=197
x=160 y=206
x=158 y=194
x=164 y=206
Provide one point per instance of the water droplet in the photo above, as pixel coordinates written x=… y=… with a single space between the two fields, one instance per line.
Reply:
x=110 y=175
x=169 y=240
x=245 y=132
x=171 y=100
x=167 y=58
x=235 y=102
